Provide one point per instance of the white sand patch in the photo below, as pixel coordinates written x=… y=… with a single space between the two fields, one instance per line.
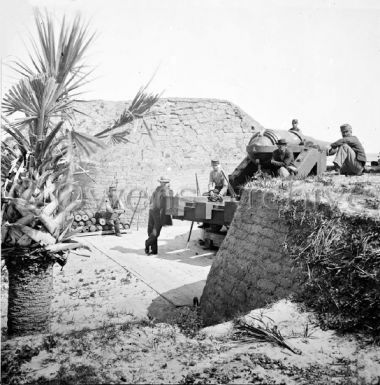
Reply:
x=318 y=347
x=161 y=354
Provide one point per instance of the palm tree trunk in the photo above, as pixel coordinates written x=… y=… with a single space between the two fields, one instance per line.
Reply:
x=30 y=295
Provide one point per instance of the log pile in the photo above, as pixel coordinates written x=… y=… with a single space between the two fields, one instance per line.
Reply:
x=90 y=221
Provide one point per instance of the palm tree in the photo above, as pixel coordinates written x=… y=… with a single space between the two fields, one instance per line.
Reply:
x=38 y=163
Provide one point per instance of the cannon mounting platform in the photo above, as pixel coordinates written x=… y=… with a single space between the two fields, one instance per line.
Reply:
x=199 y=209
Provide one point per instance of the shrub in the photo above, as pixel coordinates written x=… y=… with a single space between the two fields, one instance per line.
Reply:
x=188 y=320
x=73 y=375
x=340 y=259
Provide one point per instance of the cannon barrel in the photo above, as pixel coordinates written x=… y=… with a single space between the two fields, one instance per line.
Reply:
x=262 y=144
x=309 y=154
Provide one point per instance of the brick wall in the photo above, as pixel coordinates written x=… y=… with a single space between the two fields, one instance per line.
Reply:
x=249 y=270
x=182 y=136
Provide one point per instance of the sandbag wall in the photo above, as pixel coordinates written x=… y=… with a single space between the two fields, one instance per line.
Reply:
x=250 y=269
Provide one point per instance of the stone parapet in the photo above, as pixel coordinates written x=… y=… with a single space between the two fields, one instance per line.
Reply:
x=180 y=137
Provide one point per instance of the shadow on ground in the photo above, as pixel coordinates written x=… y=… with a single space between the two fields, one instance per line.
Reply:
x=127 y=250
x=194 y=255
x=169 y=250
x=162 y=307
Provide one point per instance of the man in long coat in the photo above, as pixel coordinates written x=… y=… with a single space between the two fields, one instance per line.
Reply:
x=157 y=215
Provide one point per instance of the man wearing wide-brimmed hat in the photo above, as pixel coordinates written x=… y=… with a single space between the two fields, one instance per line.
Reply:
x=283 y=160
x=114 y=208
x=157 y=215
x=217 y=182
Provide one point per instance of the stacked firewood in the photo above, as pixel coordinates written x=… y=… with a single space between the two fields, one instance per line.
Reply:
x=91 y=221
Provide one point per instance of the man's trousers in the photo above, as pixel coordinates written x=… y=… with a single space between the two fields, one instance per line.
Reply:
x=154 y=230
x=345 y=159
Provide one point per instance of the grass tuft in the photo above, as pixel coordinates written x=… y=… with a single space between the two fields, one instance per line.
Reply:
x=188 y=320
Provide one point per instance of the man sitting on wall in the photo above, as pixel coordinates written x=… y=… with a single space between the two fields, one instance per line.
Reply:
x=283 y=160
x=350 y=157
x=114 y=207
x=217 y=186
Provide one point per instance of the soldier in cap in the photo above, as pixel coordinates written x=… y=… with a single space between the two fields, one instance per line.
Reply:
x=295 y=125
x=283 y=160
x=114 y=207
x=350 y=157
x=217 y=182
x=157 y=215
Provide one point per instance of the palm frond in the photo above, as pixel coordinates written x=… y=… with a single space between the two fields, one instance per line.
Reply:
x=258 y=330
x=118 y=137
x=140 y=106
x=58 y=56
x=85 y=143
x=39 y=99
x=66 y=246
x=47 y=143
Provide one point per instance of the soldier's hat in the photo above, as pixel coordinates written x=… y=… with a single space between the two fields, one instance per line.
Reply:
x=215 y=162
x=294 y=121
x=163 y=180
x=282 y=142
x=346 y=125
x=111 y=188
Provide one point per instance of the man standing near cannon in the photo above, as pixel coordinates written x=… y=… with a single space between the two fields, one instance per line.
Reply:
x=114 y=208
x=157 y=215
x=350 y=157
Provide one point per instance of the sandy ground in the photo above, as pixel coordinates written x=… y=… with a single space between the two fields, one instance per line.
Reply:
x=161 y=354
x=116 y=281
x=106 y=327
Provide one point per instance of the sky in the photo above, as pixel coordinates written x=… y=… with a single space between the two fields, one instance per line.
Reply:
x=315 y=60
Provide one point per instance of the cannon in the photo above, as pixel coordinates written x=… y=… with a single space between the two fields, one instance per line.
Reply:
x=310 y=159
x=309 y=155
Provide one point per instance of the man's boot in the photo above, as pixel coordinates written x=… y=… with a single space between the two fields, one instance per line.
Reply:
x=146 y=248
x=154 y=248
x=117 y=228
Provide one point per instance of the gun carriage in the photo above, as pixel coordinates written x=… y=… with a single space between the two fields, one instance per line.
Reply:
x=310 y=159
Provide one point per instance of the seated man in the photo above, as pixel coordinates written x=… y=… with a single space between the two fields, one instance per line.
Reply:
x=114 y=207
x=350 y=157
x=294 y=126
x=282 y=160
x=217 y=186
